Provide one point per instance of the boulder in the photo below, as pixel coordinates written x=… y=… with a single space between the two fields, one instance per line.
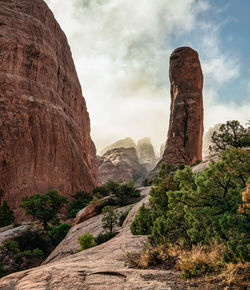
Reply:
x=45 y=138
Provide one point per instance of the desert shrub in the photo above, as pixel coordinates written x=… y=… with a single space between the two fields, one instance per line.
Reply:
x=110 y=218
x=104 y=237
x=44 y=207
x=86 y=241
x=142 y=222
x=6 y=215
x=58 y=233
x=123 y=193
x=149 y=256
x=24 y=251
x=34 y=239
x=80 y=200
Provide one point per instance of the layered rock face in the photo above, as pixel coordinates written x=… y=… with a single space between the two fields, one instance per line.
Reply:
x=44 y=124
x=120 y=164
x=184 y=143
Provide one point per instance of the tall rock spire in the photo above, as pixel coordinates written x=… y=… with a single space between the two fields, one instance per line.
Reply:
x=184 y=142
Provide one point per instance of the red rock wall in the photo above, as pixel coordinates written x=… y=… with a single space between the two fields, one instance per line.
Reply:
x=184 y=143
x=44 y=124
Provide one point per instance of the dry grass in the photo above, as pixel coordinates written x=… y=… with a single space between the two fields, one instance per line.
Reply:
x=204 y=263
x=150 y=257
x=236 y=275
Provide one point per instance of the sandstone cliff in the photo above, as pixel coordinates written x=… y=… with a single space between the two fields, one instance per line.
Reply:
x=44 y=124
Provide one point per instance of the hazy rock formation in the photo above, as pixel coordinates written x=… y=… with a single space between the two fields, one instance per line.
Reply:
x=145 y=150
x=207 y=141
x=125 y=143
x=120 y=164
x=146 y=153
x=44 y=124
x=184 y=143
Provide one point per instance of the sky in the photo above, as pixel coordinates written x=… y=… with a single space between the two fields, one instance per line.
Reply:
x=121 y=50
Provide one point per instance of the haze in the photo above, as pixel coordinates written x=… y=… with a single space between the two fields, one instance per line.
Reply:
x=121 y=51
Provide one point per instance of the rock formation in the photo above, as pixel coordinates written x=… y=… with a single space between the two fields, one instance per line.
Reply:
x=44 y=124
x=184 y=143
x=207 y=141
x=125 y=143
x=120 y=164
x=146 y=153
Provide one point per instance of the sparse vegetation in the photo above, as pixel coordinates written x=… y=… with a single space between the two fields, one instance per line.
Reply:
x=24 y=251
x=58 y=232
x=110 y=218
x=44 y=207
x=199 y=216
x=80 y=200
x=6 y=215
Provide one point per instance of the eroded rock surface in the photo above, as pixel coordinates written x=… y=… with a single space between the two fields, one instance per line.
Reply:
x=120 y=164
x=184 y=142
x=44 y=124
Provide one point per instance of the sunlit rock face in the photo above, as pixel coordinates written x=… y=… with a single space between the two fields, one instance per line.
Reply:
x=44 y=125
x=184 y=142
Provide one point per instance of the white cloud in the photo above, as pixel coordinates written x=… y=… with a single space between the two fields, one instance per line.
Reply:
x=121 y=51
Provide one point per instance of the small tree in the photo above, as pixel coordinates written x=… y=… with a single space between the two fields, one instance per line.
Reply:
x=232 y=133
x=6 y=215
x=110 y=218
x=44 y=207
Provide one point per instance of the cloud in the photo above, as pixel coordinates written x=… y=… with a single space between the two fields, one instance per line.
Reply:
x=121 y=51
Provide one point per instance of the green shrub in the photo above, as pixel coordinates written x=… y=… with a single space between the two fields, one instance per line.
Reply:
x=124 y=193
x=142 y=222
x=34 y=239
x=104 y=237
x=58 y=233
x=86 y=241
x=6 y=215
x=80 y=200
